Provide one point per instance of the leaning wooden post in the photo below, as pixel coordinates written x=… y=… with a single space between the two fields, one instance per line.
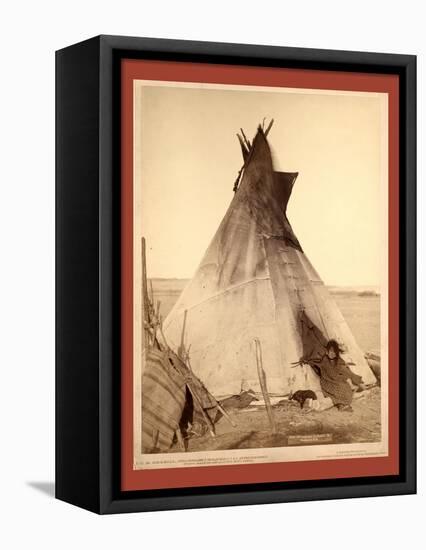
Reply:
x=181 y=349
x=206 y=417
x=262 y=380
x=145 y=302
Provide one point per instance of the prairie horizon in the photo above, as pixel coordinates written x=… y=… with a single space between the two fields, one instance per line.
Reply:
x=360 y=306
x=178 y=281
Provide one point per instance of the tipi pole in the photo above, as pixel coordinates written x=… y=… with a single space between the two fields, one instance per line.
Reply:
x=145 y=300
x=223 y=411
x=262 y=380
x=144 y=278
x=180 y=437
x=181 y=350
x=269 y=127
x=203 y=412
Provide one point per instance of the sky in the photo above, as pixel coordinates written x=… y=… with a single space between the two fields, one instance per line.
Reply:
x=187 y=157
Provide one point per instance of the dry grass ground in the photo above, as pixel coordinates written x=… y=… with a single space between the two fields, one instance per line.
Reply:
x=252 y=431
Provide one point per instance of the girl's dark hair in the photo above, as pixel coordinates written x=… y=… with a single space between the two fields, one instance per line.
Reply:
x=334 y=344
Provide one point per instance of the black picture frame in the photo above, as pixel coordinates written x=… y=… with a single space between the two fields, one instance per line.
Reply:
x=88 y=273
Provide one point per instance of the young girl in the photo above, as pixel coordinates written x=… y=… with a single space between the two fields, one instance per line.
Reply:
x=334 y=373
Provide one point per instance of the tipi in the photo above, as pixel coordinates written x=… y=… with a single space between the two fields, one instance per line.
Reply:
x=256 y=283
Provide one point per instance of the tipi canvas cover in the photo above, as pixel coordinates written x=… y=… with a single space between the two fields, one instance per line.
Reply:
x=255 y=282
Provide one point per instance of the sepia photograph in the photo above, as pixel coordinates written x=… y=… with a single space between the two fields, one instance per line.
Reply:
x=237 y=269
x=260 y=274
